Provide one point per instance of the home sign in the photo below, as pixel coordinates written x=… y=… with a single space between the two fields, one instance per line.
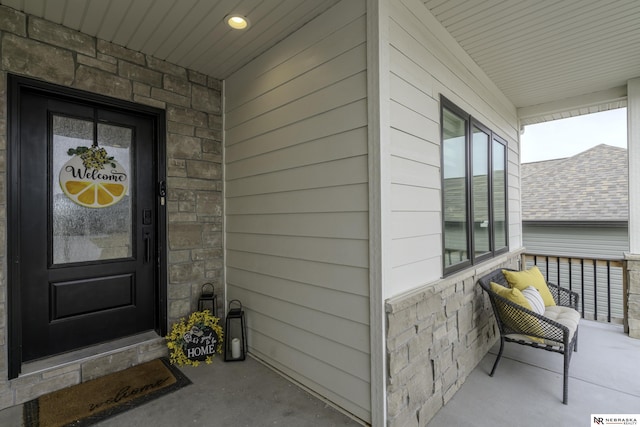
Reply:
x=200 y=343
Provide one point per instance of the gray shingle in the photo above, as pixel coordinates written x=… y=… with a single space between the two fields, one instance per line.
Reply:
x=590 y=186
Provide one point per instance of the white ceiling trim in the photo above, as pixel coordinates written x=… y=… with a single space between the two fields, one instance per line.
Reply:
x=570 y=107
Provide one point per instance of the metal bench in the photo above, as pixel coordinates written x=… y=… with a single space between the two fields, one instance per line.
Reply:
x=556 y=330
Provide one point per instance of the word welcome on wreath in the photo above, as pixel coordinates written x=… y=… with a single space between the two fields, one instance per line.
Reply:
x=92 y=178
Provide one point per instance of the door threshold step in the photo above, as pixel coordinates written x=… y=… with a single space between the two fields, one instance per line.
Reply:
x=78 y=356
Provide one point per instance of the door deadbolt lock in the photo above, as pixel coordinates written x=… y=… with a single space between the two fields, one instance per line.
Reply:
x=162 y=191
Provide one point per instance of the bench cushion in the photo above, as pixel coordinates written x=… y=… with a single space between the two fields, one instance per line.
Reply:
x=566 y=316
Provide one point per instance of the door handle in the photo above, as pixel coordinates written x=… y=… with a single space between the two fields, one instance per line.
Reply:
x=147 y=248
x=147 y=217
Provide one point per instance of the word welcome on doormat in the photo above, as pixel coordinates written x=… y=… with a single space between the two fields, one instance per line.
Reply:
x=128 y=392
x=87 y=403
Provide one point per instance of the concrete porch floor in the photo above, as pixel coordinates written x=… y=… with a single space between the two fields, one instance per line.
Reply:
x=526 y=390
x=242 y=394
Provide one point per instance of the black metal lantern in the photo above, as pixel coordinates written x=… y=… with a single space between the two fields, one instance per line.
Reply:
x=208 y=299
x=235 y=334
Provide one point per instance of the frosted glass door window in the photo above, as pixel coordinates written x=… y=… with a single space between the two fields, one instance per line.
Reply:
x=81 y=233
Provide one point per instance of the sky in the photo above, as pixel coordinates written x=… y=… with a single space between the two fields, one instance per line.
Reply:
x=564 y=138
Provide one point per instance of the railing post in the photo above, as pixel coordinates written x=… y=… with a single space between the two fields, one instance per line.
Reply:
x=558 y=274
x=625 y=289
x=582 y=284
x=608 y=291
x=546 y=265
x=570 y=275
x=595 y=290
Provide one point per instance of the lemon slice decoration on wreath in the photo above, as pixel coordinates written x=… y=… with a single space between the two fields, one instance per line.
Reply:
x=93 y=180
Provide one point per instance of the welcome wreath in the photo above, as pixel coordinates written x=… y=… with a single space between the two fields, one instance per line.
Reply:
x=195 y=340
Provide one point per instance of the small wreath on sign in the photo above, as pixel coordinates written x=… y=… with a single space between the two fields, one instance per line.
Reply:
x=195 y=340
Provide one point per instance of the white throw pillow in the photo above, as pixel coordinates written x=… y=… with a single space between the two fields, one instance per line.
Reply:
x=535 y=299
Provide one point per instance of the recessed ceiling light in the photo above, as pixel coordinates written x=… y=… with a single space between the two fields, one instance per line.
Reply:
x=237 y=22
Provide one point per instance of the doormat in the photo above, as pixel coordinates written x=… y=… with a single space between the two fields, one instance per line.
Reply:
x=87 y=403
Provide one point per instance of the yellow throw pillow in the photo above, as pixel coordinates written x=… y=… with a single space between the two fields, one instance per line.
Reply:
x=512 y=294
x=531 y=277
x=524 y=322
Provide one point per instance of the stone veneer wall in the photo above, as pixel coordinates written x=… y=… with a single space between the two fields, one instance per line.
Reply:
x=632 y=316
x=43 y=50
x=435 y=337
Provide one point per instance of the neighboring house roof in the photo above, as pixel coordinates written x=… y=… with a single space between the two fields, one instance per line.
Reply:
x=535 y=167
x=590 y=186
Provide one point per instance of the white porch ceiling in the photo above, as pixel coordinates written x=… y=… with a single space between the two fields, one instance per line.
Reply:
x=190 y=33
x=551 y=58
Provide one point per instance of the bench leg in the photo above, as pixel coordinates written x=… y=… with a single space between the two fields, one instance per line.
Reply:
x=565 y=380
x=495 y=364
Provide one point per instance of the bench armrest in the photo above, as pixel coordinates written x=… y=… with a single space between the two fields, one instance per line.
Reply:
x=564 y=296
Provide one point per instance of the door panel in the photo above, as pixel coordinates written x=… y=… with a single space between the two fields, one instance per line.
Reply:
x=86 y=296
x=88 y=225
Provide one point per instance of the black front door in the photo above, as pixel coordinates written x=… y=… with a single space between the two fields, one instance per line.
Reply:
x=87 y=241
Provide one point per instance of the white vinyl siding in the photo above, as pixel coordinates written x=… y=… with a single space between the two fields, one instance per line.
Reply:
x=425 y=62
x=588 y=241
x=296 y=195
